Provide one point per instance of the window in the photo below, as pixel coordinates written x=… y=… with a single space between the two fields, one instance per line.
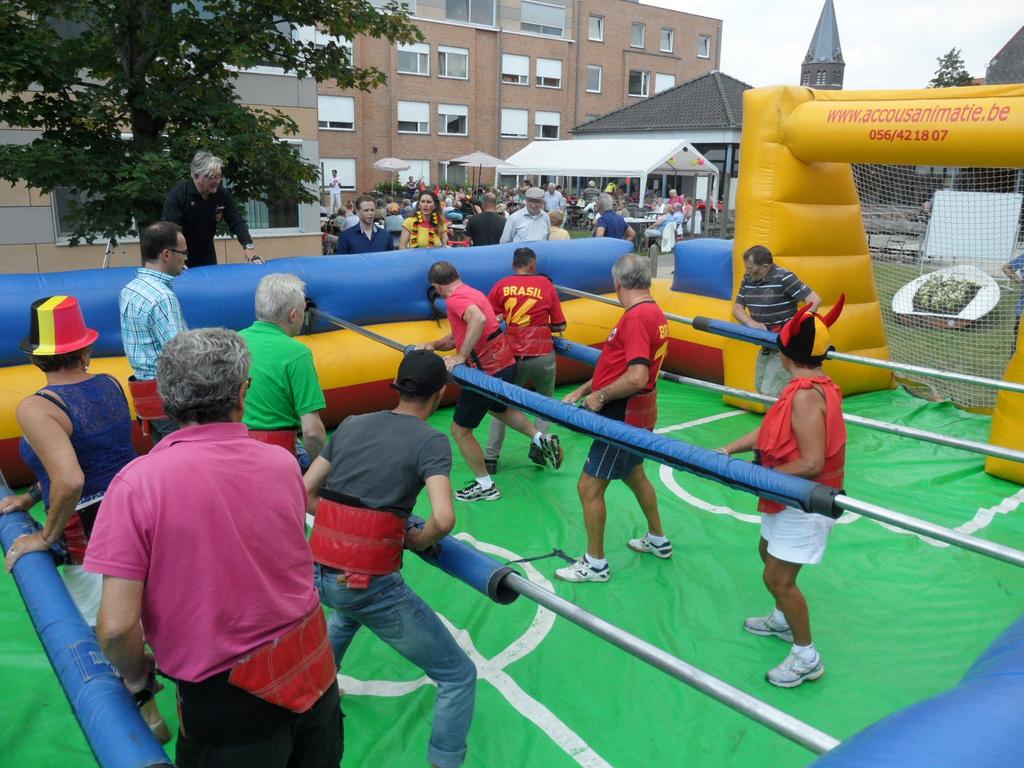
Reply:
x=413 y=117
x=452 y=62
x=515 y=70
x=594 y=72
x=547 y=124
x=310 y=34
x=514 y=123
x=414 y=59
x=65 y=200
x=668 y=40
x=336 y=113
x=470 y=11
x=704 y=47
x=274 y=214
x=454 y=119
x=346 y=168
x=596 y=29
x=637 y=34
x=663 y=82
x=418 y=169
x=639 y=83
x=549 y=73
x=821 y=77
x=542 y=18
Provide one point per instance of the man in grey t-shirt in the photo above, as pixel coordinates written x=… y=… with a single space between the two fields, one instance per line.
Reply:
x=375 y=465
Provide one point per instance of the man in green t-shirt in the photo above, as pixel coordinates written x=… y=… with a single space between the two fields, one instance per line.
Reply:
x=285 y=394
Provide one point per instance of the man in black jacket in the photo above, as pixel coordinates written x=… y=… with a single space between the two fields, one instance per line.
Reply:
x=199 y=205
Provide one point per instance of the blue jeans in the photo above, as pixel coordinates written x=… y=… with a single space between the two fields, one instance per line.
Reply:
x=400 y=618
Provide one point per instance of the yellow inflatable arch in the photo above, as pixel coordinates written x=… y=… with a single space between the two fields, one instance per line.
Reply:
x=797 y=196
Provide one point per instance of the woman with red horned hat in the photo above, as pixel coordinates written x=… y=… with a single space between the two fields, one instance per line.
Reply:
x=802 y=434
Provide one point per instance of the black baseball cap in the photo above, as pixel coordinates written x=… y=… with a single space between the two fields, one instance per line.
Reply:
x=421 y=374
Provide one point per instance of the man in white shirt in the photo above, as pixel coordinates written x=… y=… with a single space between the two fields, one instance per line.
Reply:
x=334 y=187
x=530 y=222
x=553 y=200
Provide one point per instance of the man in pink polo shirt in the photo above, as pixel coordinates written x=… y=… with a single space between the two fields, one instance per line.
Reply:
x=478 y=342
x=203 y=551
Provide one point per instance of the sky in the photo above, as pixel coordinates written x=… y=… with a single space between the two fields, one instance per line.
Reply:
x=886 y=43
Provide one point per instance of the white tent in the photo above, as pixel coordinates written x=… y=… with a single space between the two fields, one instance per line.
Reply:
x=614 y=158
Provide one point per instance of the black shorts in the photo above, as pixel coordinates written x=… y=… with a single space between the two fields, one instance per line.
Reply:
x=473 y=406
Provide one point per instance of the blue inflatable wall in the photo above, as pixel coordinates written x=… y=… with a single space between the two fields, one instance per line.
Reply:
x=364 y=289
x=704 y=267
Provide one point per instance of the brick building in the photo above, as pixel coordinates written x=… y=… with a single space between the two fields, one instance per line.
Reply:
x=495 y=76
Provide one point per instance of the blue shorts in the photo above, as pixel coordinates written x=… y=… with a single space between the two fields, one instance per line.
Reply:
x=606 y=462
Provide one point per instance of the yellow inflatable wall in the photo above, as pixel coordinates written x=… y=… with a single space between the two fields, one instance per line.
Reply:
x=797 y=197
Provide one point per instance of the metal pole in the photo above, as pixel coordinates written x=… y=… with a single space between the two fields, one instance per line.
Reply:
x=359 y=329
x=796 y=730
x=948 y=535
x=981 y=381
x=985 y=449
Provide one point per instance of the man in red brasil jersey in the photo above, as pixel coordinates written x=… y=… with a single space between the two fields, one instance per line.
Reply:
x=478 y=342
x=622 y=389
x=529 y=304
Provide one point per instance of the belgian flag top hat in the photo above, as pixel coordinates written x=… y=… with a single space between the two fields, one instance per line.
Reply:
x=57 y=327
x=805 y=337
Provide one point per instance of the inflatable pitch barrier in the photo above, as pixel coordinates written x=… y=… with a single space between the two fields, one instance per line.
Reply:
x=116 y=732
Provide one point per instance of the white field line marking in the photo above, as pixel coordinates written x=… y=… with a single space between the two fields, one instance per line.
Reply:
x=697 y=422
x=492 y=670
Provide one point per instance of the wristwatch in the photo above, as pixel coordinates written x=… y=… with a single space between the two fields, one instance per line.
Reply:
x=600 y=395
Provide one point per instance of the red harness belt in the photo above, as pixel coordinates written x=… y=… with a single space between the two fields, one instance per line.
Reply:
x=285 y=438
x=529 y=340
x=495 y=356
x=360 y=542
x=293 y=671
x=147 y=402
x=642 y=410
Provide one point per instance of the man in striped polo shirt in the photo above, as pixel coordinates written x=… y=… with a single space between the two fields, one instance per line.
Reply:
x=767 y=299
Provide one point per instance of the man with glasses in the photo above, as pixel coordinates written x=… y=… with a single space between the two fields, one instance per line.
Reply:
x=150 y=317
x=530 y=222
x=199 y=205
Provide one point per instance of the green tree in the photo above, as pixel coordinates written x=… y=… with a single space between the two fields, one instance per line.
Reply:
x=125 y=91
x=951 y=72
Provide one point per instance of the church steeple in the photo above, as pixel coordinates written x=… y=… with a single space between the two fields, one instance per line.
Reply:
x=823 y=65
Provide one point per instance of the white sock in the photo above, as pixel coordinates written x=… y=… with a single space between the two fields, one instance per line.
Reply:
x=536 y=438
x=778 y=618
x=656 y=540
x=485 y=482
x=805 y=652
x=598 y=564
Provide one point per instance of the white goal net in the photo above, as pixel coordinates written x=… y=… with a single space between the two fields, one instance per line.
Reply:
x=940 y=238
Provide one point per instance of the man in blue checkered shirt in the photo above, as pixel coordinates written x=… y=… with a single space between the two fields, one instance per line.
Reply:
x=150 y=313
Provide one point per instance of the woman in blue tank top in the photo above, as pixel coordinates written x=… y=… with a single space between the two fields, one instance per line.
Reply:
x=77 y=436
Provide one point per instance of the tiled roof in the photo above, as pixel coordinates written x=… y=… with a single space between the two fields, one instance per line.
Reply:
x=1008 y=65
x=710 y=101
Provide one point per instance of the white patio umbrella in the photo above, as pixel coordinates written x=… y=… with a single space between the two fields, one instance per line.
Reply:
x=393 y=164
x=480 y=160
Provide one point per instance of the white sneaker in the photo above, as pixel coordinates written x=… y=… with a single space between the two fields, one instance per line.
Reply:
x=476 y=492
x=581 y=570
x=663 y=551
x=794 y=670
x=765 y=627
x=552 y=450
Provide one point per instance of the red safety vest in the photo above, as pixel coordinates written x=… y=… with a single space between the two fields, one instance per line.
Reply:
x=294 y=670
x=495 y=356
x=642 y=410
x=529 y=340
x=777 y=444
x=147 y=402
x=284 y=438
x=358 y=541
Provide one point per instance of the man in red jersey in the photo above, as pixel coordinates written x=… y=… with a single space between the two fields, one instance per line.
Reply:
x=529 y=304
x=623 y=389
x=478 y=341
